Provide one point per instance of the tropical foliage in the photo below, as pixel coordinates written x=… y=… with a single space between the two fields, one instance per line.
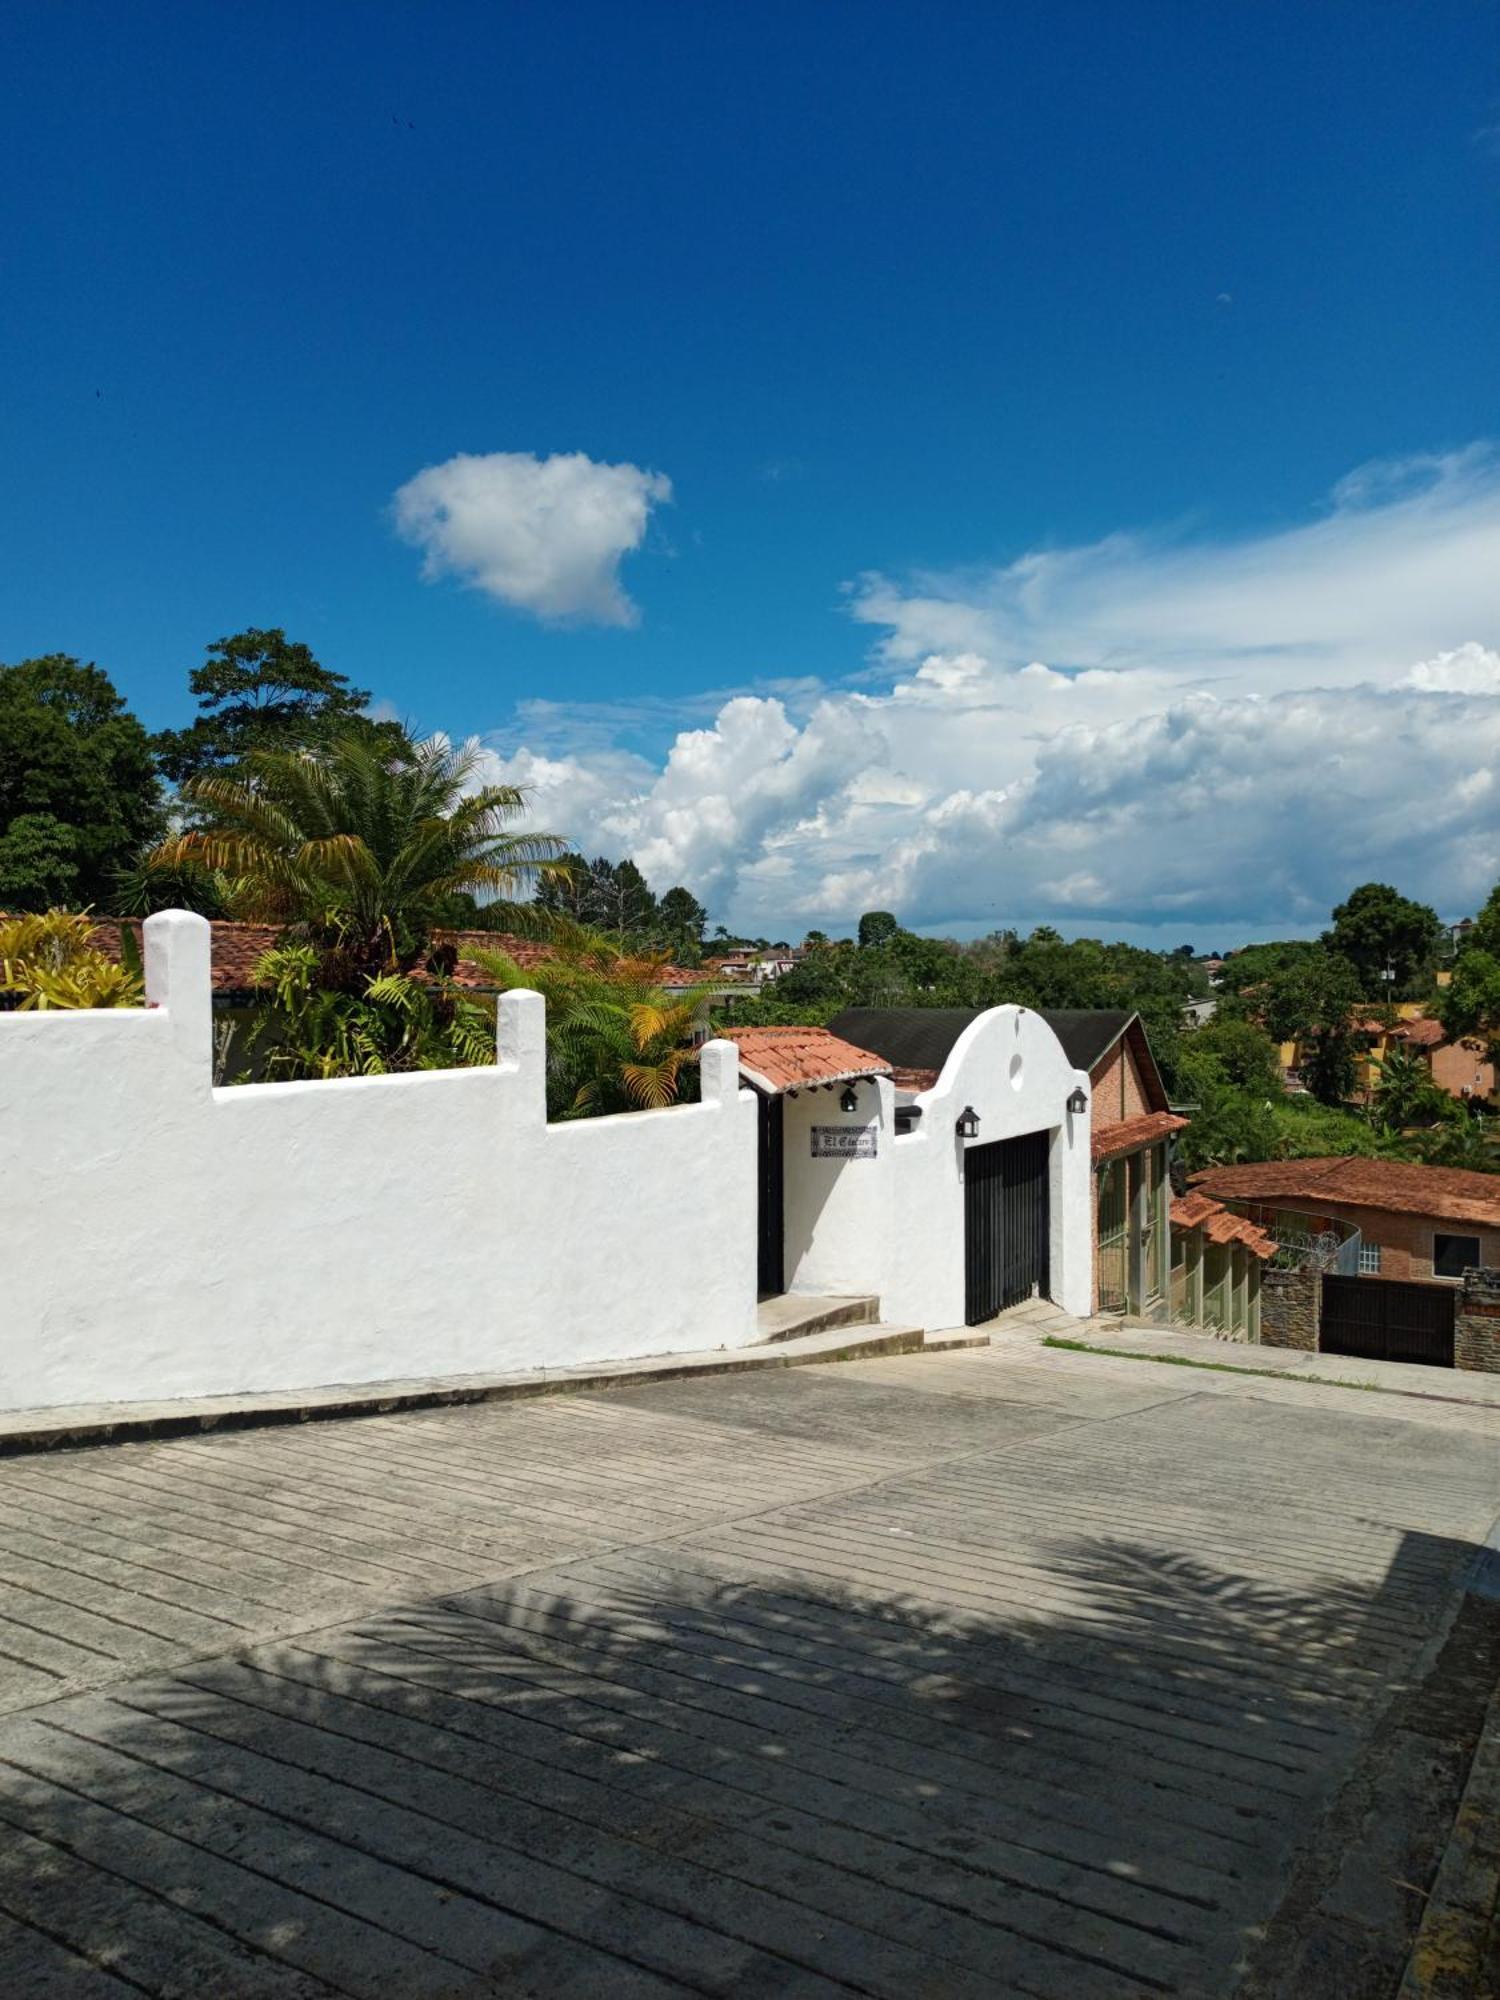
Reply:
x=52 y=960
x=356 y=848
x=616 y=1039
x=391 y=1023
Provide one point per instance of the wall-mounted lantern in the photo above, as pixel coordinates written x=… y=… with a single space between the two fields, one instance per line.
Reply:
x=849 y=1099
x=1078 y=1103
x=967 y=1123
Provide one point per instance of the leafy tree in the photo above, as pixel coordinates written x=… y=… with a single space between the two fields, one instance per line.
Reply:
x=1377 y=929
x=877 y=927
x=1315 y=1003
x=358 y=848
x=259 y=690
x=1470 y=1003
x=1244 y=1055
x=1485 y=935
x=78 y=791
x=1247 y=973
x=680 y=919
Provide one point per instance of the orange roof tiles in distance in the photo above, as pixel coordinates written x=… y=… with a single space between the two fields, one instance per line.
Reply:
x=780 y=1059
x=1396 y=1187
x=1133 y=1132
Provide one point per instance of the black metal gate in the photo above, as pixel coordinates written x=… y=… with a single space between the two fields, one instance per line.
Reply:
x=1005 y=1224
x=1388 y=1321
x=771 y=1258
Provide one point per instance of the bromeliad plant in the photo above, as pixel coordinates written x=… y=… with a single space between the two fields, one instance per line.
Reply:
x=52 y=960
x=617 y=1040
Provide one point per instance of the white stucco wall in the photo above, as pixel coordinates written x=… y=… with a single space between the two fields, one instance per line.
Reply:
x=1010 y=1067
x=838 y=1212
x=162 y=1238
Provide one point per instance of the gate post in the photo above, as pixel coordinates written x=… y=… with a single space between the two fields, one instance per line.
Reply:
x=1476 y=1324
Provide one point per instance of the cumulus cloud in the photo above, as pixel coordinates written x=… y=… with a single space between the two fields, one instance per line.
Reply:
x=545 y=535
x=1223 y=735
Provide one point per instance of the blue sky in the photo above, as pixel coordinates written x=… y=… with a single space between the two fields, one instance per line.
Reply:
x=990 y=338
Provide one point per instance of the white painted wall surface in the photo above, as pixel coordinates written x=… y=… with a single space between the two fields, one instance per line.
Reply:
x=838 y=1212
x=162 y=1238
x=1010 y=1067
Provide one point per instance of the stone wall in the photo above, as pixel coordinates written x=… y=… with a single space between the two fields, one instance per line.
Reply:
x=1291 y=1305
x=1476 y=1329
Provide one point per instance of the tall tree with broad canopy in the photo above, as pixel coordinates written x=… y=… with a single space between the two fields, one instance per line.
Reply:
x=78 y=789
x=1380 y=931
x=259 y=690
x=1315 y=1003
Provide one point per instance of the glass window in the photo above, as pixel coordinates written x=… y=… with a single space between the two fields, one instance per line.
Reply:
x=1369 y=1260
x=1453 y=1255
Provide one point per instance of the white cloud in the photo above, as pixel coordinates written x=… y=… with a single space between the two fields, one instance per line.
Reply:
x=1222 y=736
x=1467 y=669
x=545 y=535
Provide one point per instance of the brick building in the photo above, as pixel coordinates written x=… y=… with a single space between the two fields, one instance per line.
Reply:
x=1422 y=1224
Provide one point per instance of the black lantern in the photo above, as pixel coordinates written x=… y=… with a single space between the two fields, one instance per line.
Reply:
x=967 y=1125
x=849 y=1100
x=1078 y=1103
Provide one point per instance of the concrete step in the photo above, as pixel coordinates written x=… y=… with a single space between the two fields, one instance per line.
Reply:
x=789 y=1314
x=954 y=1337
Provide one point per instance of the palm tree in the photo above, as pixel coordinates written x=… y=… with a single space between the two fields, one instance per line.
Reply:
x=1404 y=1092
x=357 y=847
x=616 y=1039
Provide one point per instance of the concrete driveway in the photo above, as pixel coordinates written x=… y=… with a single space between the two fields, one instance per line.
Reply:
x=999 y=1672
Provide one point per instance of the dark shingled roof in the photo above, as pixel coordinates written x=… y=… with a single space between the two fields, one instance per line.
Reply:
x=923 y=1037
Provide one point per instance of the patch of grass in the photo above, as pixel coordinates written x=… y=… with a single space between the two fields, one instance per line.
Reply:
x=1223 y=1367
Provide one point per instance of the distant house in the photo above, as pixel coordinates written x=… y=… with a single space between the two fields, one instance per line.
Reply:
x=1417 y=1224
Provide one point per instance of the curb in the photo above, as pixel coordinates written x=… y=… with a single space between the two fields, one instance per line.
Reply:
x=197 y=1416
x=1459 y=1937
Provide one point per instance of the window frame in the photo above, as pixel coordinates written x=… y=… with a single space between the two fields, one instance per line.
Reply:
x=1452 y=1236
x=1370 y=1251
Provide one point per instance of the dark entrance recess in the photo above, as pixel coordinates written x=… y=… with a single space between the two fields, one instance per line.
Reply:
x=1388 y=1321
x=771 y=1261
x=1005 y=1224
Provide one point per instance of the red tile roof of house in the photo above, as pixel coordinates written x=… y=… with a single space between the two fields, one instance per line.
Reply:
x=236 y=949
x=1129 y=1133
x=1197 y=1210
x=1396 y=1187
x=793 y=1058
x=1421 y=1032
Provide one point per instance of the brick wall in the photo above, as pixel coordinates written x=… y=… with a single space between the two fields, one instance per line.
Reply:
x=1291 y=1304
x=1117 y=1090
x=1405 y=1240
x=1463 y=1067
x=1476 y=1333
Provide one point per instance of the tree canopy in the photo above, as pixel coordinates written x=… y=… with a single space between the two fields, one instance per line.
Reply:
x=259 y=690
x=78 y=789
x=1380 y=931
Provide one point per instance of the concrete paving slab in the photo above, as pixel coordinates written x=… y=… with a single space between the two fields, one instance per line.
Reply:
x=993 y=1671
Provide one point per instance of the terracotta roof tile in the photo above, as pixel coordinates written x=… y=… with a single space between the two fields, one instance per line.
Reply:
x=1396 y=1187
x=790 y=1058
x=1197 y=1211
x=1133 y=1132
